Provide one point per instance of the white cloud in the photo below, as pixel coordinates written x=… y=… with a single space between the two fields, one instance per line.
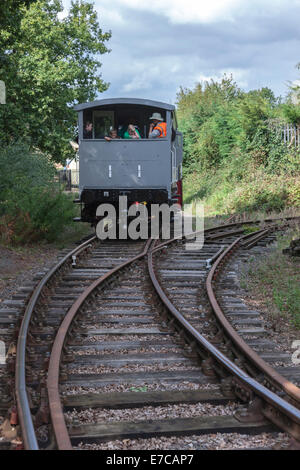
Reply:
x=110 y=14
x=241 y=76
x=201 y=11
x=141 y=79
x=205 y=78
x=188 y=11
x=161 y=45
x=109 y=17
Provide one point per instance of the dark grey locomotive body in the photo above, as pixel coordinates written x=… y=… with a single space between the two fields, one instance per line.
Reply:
x=146 y=170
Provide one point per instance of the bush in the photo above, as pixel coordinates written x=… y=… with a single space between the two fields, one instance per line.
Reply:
x=32 y=206
x=291 y=113
x=207 y=148
x=234 y=159
x=22 y=169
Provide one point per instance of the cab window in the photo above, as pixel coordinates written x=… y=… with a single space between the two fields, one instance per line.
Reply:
x=103 y=122
x=97 y=123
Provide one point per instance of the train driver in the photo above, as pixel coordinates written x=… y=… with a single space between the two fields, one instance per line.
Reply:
x=158 y=128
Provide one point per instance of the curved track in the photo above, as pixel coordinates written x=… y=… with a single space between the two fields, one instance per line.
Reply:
x=111 y=296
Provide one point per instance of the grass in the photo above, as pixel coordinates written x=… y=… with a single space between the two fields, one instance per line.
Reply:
x=247 y=189
x=72 y=234
x=276 y=278
x=250 y=229
x=259 y=216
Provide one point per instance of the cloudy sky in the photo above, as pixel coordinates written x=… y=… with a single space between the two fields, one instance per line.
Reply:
x=160 y=45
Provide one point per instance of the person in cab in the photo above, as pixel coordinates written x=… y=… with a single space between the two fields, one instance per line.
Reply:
x=88 y=130
x=158 y=128
x=113 y=134
x=132 y=132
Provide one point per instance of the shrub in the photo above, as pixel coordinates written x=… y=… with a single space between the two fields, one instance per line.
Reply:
x=32 y=206
x=22 y=169
x=234 y=159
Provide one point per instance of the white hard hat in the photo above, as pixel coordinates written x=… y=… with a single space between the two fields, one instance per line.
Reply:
x=156 y=116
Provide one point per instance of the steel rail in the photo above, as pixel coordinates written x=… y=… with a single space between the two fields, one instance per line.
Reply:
x=185 y=237
x=211 y=238
x=222 y=227
x=281 y=405
x=24 y=413
x=257 y=236
x=56 y=409
x=288 y=387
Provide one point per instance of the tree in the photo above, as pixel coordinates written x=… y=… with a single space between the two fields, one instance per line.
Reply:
x=49 y=64
x=10 y=18
x=296 y=88
x=291 y=108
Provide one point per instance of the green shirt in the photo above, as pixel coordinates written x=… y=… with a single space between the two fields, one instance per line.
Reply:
x=127 y=136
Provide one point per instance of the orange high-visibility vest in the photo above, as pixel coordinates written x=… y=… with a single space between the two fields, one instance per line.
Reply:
x=162 y=127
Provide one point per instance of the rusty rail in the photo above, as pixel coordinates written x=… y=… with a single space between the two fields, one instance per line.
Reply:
x=56 y=409
x=288 y=387
x=30 y=441
x=24 y=413
x=276 y=405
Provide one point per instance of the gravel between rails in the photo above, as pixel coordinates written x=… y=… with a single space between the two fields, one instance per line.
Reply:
x=67 y=390
x=181 y=410
x=116 y=326
x=204 y=442
x=143 y=338
x=123 y=352
x=122 y=316
x=130 y=368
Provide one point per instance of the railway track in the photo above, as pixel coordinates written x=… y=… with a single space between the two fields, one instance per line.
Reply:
x=140 y=341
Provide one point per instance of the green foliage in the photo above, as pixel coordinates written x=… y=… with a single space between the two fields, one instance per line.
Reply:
x=20 y=169
x=10 y=18
x=205 y=117
x=291 y=109
x=218 y=118
x=32 y=207
x=291 y=112
x=243 y=185
x=267 y=148
x=250 y=229
x=206 y=149
x=234 y=159
x=294 y=193
x=276 y=277
x=264 y=198
x=48 y=65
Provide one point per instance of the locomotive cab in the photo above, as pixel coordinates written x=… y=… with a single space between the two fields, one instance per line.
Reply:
x=144 y=170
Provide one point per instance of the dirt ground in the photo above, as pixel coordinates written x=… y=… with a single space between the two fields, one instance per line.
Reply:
x=19 y=265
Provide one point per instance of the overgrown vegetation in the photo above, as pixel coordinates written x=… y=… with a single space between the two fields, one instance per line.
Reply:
x=32 y=206
x=48 y=63
x=234 y=159
x=276 y=279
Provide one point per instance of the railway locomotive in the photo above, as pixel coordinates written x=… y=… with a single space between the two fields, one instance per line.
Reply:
x=145 y=170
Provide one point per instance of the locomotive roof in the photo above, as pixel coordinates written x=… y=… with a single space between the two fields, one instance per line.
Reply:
x=129 y=101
